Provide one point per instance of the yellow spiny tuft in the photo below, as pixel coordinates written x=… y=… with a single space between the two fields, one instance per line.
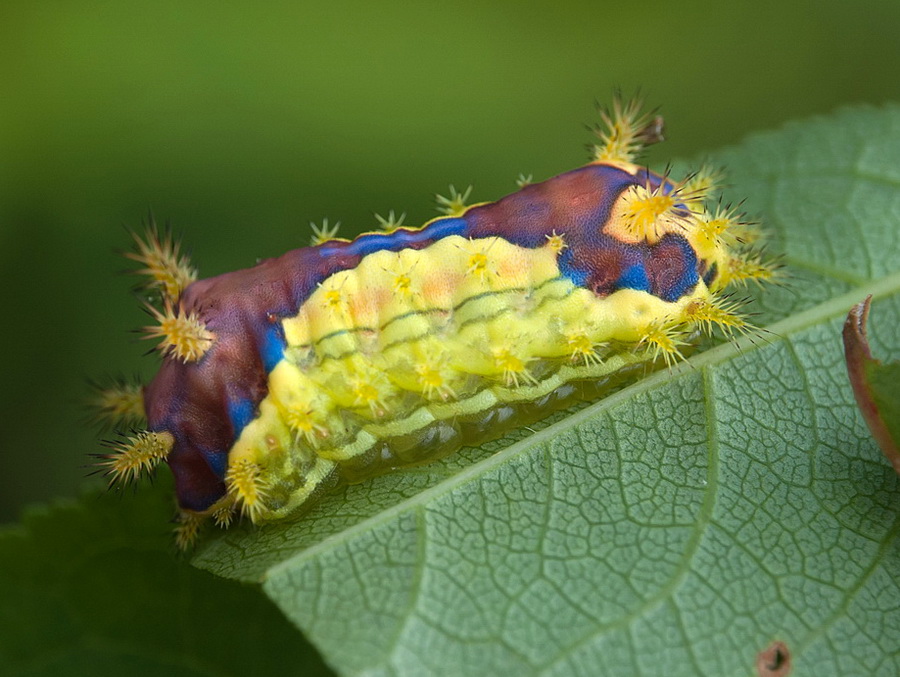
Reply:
x=188 y=529
x=582 y=348
x=513 y=366
x=134 y=455
x=184 y=335
x=305 y=422
x=556 y=241
x=718 y=228
x=652 y=212
x=248 y=488
x=664 y=339
x=434 y=376
x=700 y=187
x=166 y=267
x=390 y=223
x=119 y=403
x=478 y=264
x=402 y=277
x=371 y=389
x=719 y=312
x=455 y=205
x=748 y=268
x=478 y=261
x=223 y=515
x=745 y=233
x=402 y=284
x=522 y=180
x=625 y=130
x=324 y=233
x=334 y=300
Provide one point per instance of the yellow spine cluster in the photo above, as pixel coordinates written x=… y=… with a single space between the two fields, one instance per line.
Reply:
x=187 y=528
x=624 y=131
x=455 y=203
x=323 y=233
x=163 y=262
x=248 y=487
x=121 y=402
x=184 y=335
x=132 y=457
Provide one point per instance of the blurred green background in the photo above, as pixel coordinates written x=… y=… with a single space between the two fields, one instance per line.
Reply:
x=242 y=122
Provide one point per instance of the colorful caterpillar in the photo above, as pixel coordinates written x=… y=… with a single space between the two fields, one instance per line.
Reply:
x=349 y=358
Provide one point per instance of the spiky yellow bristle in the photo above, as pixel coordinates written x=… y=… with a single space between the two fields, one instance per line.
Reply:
x=719 y=228
x=455 y=204
x=188 y=528
x=184 y=335
x=514 y=365
x=223 y=512
x=625 y=130
x=247 y=486
x=371 y=389
x=652 y=212
x=750 y=267
x=582 y=348
x=717 y=311
x=163 y=263
x=700 y=186
x=324 y=233
x=122 y=402
x=664 y=339
x=305 y=422
x=556 y=241
x=391 y=222
x=134 y=455
x=434 y=376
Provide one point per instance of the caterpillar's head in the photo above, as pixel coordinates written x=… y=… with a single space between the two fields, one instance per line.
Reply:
x=189 y=409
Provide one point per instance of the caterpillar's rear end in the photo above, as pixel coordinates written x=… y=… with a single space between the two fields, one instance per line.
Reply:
x=349 y=358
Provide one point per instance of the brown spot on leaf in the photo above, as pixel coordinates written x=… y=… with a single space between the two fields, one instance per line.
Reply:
x=774 y=661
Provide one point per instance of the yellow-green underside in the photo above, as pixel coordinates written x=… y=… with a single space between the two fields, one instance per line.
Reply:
x=498 y=334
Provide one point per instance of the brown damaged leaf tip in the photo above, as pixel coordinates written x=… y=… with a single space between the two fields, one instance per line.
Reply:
x=774 y=661
x=859 y=361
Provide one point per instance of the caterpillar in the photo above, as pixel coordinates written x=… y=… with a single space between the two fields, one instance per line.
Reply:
x=349 y=358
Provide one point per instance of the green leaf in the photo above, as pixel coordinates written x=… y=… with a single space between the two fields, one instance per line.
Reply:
x=94 y=587
x=677 y=527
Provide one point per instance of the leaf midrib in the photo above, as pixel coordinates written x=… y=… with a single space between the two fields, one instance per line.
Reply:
x=827 y=310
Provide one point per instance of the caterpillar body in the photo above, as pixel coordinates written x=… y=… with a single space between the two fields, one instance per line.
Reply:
x=346 y=359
